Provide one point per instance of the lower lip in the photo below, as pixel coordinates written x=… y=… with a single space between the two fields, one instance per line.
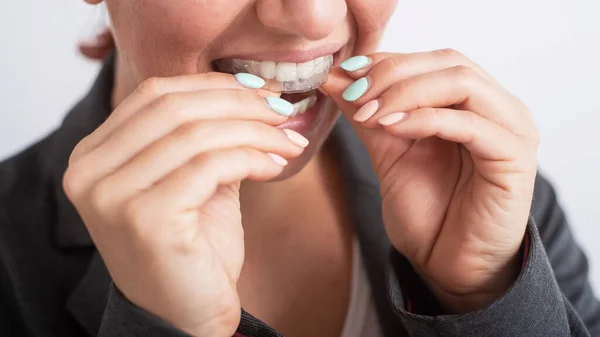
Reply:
x=307 y=122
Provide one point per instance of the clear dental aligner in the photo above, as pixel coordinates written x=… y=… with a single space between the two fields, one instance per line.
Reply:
x=290 y=77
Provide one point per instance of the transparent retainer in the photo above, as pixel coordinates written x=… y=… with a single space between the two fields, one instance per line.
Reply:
x=309 y=75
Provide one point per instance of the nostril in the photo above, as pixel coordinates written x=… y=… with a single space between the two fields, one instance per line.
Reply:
x=310 y=19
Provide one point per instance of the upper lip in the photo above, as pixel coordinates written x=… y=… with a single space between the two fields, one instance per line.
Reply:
x=291 y=55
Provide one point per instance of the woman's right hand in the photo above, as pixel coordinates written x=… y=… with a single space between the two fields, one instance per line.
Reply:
x=157 y=186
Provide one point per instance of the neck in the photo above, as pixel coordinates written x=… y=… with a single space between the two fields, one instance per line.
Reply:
x=268 y=205
x=123 y=85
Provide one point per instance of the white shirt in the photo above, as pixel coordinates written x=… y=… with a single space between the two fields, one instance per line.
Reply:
x=361 y=318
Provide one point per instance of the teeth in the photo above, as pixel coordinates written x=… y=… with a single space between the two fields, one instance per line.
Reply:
x=287 y=72
x=320 y=65
x=268 y=70
x=303 y=105
x=293 y=77
x=306 y=69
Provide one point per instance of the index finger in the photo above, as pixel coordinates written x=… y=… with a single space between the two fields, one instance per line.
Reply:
x=408 y=65
x=155 y=87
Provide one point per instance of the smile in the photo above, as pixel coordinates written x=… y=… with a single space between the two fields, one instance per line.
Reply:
x=290 y=77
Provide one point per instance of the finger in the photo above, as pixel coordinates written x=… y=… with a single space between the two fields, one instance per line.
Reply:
x=164 y=117
x=458 y=86
x=480 y=136
x=337 y=82
x=167 y=154
x=392 y=68
x=402 y=66
x=192 y=184
x=154 y=88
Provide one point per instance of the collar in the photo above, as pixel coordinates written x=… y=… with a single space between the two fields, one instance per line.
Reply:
x=81 y=121
x=88 y=299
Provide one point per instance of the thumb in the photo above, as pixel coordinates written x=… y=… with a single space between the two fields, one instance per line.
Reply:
x=336 y=84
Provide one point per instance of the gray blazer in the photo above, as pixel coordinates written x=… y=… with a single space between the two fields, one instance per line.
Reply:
x=54 y=283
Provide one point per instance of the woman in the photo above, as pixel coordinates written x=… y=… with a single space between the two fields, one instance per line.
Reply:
x=175 y=194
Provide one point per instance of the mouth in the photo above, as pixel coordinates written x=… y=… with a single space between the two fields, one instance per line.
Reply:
x=298 y=83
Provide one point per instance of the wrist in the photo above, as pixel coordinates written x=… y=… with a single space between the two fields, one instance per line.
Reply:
x=489 y=289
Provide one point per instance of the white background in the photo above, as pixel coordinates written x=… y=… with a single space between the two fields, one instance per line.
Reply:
x=544 y=51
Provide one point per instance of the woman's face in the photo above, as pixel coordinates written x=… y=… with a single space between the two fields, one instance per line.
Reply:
x=174 y=37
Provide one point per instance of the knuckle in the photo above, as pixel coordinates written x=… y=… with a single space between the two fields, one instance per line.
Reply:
x=78 y=150
x=244 y=156
x=437 y=116
x=452 y=54
x=187 y=134
x=429 y=112
x=71 y=183
x=166 y=102
x=206 y=162
x=464 y=71
x=100 y=197
x=535 y=137
x=432 y=118
x=465 y=75
x=214 y=77
x=134 y=213
x=258 y=130
x=402 y=88
x=152 y=86
x=394 y=61
x=250 y=155
x=169 y=104
x=139 y=222
x=239 y=97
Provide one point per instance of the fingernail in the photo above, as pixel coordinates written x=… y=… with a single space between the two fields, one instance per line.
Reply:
x=392 y=118
x=355 y=63
x=280 y=106
x=250 y=81
x=356 y=90
x=278 y=159
x=296 y=138
x=366 y=111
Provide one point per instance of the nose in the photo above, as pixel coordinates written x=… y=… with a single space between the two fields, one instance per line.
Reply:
x=311 y=19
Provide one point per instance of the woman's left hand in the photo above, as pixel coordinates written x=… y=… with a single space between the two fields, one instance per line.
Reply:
x=456 y=158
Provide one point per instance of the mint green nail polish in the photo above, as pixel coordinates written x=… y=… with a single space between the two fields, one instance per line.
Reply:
x=280 y=106
x=355 y=63
x=356 y=90
x=250 y=81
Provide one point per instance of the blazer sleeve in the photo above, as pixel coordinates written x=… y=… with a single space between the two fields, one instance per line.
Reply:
x=551 y=297
x=123 y=318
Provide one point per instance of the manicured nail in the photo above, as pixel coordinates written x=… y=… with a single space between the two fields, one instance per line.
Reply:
x=366 y=111
x=296 y=138
x=278 y=159
x=355 y=63
x=280 y=106
x=392 y=118
x=356 y=90
x=250 y=81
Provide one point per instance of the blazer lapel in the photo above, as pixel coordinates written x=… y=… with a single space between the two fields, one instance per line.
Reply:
x=88 y=300
x=364 y=198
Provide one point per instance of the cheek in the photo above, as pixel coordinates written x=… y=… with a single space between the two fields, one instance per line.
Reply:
x=166 y=38
x=371 y=18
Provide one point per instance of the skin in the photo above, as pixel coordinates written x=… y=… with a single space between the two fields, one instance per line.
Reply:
x=163 y=184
